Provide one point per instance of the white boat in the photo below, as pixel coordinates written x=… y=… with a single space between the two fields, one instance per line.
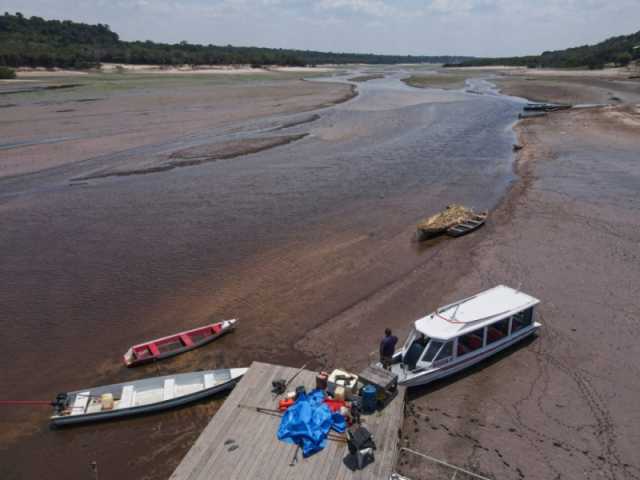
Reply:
x=141 y=396
x=464 y=333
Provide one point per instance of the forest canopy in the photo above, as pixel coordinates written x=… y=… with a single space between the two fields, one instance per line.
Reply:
x=616 y=51
x=36 y=42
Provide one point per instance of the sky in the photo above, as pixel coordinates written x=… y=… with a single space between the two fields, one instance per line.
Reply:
x=407 y=27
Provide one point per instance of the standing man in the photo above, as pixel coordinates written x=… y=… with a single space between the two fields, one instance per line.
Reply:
x=387 y=348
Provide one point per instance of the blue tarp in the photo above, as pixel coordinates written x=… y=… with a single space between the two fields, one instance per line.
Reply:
x=308 y=421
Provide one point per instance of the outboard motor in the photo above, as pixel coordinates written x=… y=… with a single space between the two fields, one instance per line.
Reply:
x=60 y=403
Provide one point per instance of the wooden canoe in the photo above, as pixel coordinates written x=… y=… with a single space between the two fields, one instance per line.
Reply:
x=141 y=396
x=176 y=344
x=475 y=222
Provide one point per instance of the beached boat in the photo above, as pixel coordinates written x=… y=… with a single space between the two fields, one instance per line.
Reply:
x=464 y=333
x=141 y=396
x=476 y=221
x=446 y=222
x=175 y=344
x=439 y=223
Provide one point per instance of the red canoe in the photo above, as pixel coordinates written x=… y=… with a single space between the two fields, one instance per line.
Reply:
x=175 y=344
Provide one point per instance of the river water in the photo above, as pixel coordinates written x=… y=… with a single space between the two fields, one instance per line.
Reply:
x=91 y=267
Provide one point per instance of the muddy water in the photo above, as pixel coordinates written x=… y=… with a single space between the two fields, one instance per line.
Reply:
x=284 y=239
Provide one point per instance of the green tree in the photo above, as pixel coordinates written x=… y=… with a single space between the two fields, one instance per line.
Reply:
x=7 y=73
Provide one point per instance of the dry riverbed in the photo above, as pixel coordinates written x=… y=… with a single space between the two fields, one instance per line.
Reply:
x=152 y=256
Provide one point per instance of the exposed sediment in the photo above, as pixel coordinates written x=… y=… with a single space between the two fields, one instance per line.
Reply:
x=567 y=233
x=190 y=157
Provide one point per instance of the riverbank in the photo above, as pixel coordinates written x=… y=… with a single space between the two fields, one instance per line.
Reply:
x=560 y=406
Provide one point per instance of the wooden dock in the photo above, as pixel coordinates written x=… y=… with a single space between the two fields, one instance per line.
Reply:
x=240 y=443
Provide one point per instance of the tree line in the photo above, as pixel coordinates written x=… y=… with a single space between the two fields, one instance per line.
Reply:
x=616 y=51
x=36 y=42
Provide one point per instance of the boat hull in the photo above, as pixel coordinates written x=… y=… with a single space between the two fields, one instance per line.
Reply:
x=227 y=326
x=455 y=367
x=59 y=421
x=424 y=234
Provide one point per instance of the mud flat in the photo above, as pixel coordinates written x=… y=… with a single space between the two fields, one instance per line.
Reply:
x=565 y=404
x=49 y=124
x=572 y=87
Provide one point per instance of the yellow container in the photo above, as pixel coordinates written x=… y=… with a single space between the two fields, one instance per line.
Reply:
x=107 y=401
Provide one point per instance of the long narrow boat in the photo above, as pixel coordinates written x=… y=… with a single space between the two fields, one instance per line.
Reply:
x=176 y=344
x=464 y=333
x=141 y=396
x=545 y=107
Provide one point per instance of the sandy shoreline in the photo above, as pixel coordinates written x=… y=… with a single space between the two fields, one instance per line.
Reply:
x=125 y=68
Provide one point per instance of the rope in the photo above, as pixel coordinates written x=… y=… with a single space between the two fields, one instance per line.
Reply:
x=457 y=469
x=25 y=402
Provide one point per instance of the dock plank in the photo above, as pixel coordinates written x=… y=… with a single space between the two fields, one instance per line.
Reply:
x=258 y=453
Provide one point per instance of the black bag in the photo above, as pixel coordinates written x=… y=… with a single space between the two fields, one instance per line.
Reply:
x=359 y=440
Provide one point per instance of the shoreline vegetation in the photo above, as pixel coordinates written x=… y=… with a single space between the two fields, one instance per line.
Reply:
x=36 y=42
x=617 y=51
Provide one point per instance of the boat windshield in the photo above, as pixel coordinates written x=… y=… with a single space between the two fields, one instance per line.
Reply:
x=432 y=350
x=415 y=348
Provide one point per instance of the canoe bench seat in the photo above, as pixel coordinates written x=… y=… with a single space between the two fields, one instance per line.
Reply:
x=169 y=390
x=127 y=398
x=80 y=403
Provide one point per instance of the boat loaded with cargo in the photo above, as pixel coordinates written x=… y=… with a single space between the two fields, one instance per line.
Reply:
x=461 y=334
x=141 y=396
x=454 y=220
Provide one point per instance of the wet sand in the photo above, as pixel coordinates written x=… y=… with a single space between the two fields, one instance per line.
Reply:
x=120 y=113
x=564 y=404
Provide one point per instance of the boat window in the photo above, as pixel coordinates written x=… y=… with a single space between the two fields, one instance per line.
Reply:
x=497 y=331
x=521 y=320
x=432 y=350
x=446 y=352
x=414 y=352
x=470 y=342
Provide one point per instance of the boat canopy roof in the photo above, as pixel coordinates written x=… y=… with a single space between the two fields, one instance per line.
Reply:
x=474 y=312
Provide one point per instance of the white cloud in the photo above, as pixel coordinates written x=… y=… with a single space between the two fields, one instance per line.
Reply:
x=377 y=8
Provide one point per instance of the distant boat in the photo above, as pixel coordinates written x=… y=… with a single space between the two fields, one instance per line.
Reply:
x=545 y=107
x=461 y=334
x=176 y=344
x=141 y=396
